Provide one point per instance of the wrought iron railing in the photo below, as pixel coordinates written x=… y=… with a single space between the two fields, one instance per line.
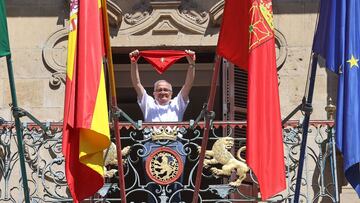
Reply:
x=47 y=182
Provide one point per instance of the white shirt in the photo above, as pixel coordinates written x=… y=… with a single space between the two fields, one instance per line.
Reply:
x=171 y=112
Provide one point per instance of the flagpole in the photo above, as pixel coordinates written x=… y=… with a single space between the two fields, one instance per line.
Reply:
x=308 y=110
x=115 y=120
x=334 y=165
x=15 y=112
x=208 y=118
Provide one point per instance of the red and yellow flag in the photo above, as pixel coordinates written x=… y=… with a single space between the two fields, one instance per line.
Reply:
x=247 y=40
x=86 y=126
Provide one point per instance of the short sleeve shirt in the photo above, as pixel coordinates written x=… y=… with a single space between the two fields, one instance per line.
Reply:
x=171 y=112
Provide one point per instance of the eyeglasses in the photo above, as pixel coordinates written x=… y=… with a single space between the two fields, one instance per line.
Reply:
x=163 y=90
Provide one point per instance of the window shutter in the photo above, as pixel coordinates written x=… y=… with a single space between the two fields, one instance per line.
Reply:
x=235 y=92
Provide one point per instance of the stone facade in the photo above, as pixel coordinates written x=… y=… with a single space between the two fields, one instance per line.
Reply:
x=37 y=31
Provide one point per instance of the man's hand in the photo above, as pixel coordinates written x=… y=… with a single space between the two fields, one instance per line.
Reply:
x=134 y=70
x=134 y=56
x=191 y=57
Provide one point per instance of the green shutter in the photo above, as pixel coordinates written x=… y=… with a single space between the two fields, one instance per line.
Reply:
x=4 y=37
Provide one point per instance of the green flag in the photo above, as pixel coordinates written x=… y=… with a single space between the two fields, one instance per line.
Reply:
x=4 y=37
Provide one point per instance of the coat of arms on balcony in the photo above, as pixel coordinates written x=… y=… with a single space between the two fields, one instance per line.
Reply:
x=162 y=133
x=164 y=166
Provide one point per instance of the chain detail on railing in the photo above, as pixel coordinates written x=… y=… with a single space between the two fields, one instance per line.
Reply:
x=47 y=182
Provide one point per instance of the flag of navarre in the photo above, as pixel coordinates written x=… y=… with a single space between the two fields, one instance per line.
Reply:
x=262 y=25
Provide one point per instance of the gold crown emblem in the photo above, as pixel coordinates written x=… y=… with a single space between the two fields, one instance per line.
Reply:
x=164 y=133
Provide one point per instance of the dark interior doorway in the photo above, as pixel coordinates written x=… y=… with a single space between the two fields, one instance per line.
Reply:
x=126 y=95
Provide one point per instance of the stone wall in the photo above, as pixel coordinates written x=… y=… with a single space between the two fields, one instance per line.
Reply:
x=297 y=21
x=30 y=23
x=38 y=44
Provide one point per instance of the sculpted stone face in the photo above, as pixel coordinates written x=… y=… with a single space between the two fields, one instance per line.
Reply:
x=162 y=92
x=229 y=142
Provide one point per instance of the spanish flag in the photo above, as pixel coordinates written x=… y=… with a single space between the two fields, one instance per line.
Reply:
x=86 y=125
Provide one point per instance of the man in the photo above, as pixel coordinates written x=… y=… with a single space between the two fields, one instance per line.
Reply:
x=162 y=108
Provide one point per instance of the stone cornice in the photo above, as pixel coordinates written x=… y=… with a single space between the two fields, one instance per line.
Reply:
x=115 y=14
x=216 y=13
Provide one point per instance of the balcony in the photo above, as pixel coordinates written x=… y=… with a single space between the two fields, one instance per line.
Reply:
x=47 y=182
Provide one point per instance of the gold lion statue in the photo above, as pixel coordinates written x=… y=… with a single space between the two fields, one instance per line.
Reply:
x=219 y=154
x=111 y=158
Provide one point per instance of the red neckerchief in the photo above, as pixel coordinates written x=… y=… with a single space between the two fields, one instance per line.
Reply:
x=161 y=59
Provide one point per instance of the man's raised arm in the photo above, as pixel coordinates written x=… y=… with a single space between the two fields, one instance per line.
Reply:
x=135 y=78
x=190 y=75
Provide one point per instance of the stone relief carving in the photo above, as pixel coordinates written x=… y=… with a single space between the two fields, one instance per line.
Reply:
x=281 y=49
x=165 y=27
x=54 y=52
x=216 y=13
x=188 y=10
x=165 y=17
x=115 y=14
x=141 y=13
x=138 y=16
x=200 y=18
x=160 y=17
x=54 y=57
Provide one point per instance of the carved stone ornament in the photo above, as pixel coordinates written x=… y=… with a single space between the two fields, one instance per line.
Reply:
x=165 y=17
x=54 y=56
x=281 y=49
x=216 y=13
x=158 y=17
x=115 y=14
x=54 y=52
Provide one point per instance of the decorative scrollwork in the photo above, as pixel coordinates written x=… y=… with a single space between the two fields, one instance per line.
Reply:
x=53 y=53
x=142 y=12
x=187 y=9
x=164 y=17
x=197 y=17
x=47 y=182
x=281 y=49
x=136 y=17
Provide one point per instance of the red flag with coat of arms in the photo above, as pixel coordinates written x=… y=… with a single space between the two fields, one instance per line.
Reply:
x=247 y=40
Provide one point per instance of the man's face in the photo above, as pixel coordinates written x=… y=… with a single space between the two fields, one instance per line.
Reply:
x=163 y=93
